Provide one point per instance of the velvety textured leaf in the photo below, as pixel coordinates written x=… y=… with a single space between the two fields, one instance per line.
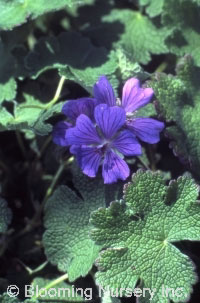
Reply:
x=7 y=72
x=66 y=240
x=139 y=36
x=74 y=56
x=8 y=90
x=181 y=16
x=129 y=68
x=139 y=235
x=5 y=298
x=30 y=115
x=16 y=12
x=154 y=7
x=5 y=216
x=179 y=101
x=146 y=111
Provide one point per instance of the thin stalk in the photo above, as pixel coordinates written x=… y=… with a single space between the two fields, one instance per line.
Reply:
x=57 y=94
x=161 y=67
x=53 y=101
x=152 y=158
x=51 y=285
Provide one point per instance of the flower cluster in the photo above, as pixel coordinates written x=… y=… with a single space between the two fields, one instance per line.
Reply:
x=102 y=131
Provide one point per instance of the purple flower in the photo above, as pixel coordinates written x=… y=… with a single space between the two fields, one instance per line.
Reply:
x=102 y=130
x=133 y=98
x=72 y=109
x=103 y=142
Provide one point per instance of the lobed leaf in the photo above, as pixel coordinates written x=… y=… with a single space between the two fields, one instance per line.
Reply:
x=154 y=7
x=129 y=68
x=138 y=237
x=7 y=73
x=74 y=56
x=181 y=16
x=16 y=12
x=30 y=115
x=179 y=101
x=139 y=37
x=66 y=239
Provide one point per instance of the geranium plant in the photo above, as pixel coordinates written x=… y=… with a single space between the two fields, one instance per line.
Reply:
x=99 y=151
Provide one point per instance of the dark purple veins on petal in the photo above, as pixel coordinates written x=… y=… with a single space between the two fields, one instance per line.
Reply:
x=146 y=129
x=109 y=119
x=83 y=133
x=127 y=144
x=114 y=168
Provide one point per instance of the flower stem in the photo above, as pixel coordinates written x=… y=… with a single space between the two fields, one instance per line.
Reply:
x=57 y=94
x=161 y=67
x=51 y=285
x=53 y=101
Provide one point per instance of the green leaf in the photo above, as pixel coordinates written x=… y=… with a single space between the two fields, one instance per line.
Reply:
x=178 y=100
x=138 y=35
x=139 y=237
x=5 y=215
x=66 y=240
x=143 y=159
x=154 y=7
x=16 y=12
x=128 y=68
x=8 y=90
x=181 y=16
x=107 y=298
x=7 y=70
x=5 y=298
x=29 y=115
x=36 y=118
x=147 y=111
x=74 y=56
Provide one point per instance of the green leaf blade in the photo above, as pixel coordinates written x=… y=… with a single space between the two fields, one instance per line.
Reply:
x=16 y=12
x=66 y=240
x=153 y=218
x=178 y=101
x=140 y=37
